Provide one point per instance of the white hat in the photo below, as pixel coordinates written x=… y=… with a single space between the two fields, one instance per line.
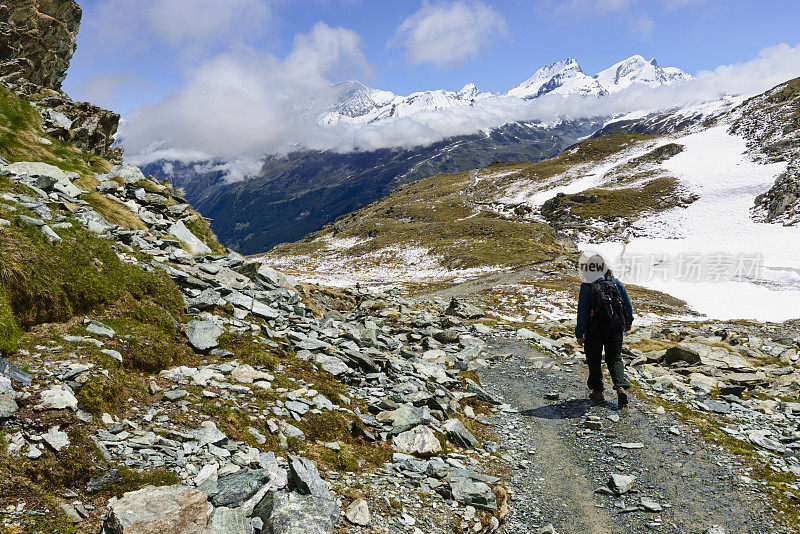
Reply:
x=591 y=268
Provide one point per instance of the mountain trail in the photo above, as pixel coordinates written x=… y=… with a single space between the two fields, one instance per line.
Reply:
x=560 y=463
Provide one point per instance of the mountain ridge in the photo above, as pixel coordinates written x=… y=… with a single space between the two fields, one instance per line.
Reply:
x=357 y=103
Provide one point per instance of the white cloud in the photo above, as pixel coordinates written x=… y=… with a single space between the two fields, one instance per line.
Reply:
x=248 y=103
x=445 y=34
x=242 y=108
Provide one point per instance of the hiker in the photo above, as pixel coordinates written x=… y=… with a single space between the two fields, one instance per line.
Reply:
x=604 y=312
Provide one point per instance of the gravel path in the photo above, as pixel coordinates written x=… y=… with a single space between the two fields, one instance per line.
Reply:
x=560 y=463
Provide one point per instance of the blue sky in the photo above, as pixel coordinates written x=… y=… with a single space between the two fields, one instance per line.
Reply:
x=131 y=52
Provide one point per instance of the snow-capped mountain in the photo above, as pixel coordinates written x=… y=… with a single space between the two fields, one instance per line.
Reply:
x=567 y=78
x=637 y=70
x=354 y=102
x=563 y=77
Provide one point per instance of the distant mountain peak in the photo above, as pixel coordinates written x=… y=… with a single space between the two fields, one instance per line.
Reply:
x=562 y=77
x=354 y=102
x=637 y=70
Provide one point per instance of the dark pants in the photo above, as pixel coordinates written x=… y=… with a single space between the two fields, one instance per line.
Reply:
x=593 y=345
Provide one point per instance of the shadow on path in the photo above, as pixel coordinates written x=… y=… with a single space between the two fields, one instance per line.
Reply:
x=568 y=409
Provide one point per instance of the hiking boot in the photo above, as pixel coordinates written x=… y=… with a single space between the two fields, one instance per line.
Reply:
x=597 y=396
x=622 y=397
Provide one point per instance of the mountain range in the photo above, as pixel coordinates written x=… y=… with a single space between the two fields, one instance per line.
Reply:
x=356 y=103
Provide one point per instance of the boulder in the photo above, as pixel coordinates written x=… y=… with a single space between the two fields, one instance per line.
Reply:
x=203 y=335
x=191 y=241
x=58 y=397
x=357 y=513
x=331 y=364
x=420 y=441
x=266 y=276
x=13 y=372
x=459 y=434
x=152 y=509
x=304 y=475
x=403 y=418
x=46 y=177
x=471 y=386
x=681 y=353
x=130 y=173
x=56 y=439
x=621 y=484
x=292 y=513
x=208 y=433
x=477 y=494
x=245 y=374
x=8 y=406
x=463 y=310
x=256 y=307
x=228 y=521
x=234 y=489
x=102 y=481
x=98 y=329
x=6 y=388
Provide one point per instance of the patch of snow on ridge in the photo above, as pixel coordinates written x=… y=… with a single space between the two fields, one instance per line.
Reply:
x=536 y=192
x=336 y=243
x=713 y=230
x=388 y=267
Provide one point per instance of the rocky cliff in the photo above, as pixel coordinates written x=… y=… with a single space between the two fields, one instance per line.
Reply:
x=37 y=40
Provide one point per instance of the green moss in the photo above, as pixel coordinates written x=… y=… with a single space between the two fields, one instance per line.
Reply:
x=43 y=282
x=326 y=426
x=285 y=383
x=344 y=460
x=149 y=186
x=152 y=341
x=108 y=395
x=9 y=331
x=72 y=467
x=130 y=480
x=249 y=349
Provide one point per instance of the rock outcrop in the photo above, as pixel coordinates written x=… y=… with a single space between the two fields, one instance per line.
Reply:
x=37 y=40
x=781 y=204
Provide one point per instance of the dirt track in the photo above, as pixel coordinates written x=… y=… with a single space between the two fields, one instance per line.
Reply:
x=561 y=463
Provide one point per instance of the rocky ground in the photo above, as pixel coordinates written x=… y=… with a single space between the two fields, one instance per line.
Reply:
x=285 y=407
x=276 y=380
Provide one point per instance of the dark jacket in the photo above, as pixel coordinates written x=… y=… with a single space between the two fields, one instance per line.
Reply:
x=583 y=307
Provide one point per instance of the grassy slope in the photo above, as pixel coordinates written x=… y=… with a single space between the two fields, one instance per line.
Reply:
x=45 y=288
x=20 y=134
x=432 y=213
x=42 y=282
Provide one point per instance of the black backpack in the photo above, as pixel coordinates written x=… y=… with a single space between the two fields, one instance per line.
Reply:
x=606 y=311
